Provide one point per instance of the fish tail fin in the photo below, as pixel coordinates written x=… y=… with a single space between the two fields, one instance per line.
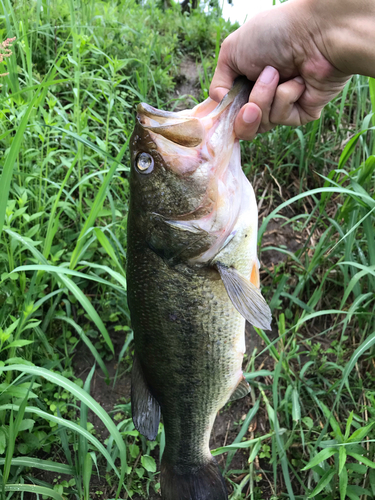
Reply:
x=200 y=482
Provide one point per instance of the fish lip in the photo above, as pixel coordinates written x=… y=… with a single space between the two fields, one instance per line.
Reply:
x=149 y=111
x=182 y=130
x=189 y=128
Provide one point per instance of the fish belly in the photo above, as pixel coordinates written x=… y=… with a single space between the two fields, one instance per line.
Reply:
x=189 y=340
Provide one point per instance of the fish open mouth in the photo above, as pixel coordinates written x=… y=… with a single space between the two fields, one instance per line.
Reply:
x=191 y=128
x=200 y=143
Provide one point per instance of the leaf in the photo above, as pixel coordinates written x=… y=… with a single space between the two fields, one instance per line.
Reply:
x=148 y=463
x=38 y=490
x=2 y=441
x=296 y=408
x=97 y=205
x=88 y=342
x=89 y=401
x=334 y=424
x=41 y=464
x=365 y=197
x=254 y=452
x=349 y=149
x=348 y=425
x=60 y=273
x=26 y=424
x=19 y=343
x=244 y=429
x=372 y=480
x=360 y=433
x=358 y=491
x=343 y=483
x=86 y=476
x=6 y=176
x=103 y=240
x=323 y=482
x=362 y=459
x=243 y=444
x=321 y=457
x=134 y=450
x=342 y=458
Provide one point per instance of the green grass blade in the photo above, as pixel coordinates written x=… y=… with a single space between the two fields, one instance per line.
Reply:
x=365 y=197
x=87 y=472
x=323 y=482
x=83 y=448
x=53 y=221
x=15 y=147
x=97 y=205
x=37 y=463
x=70 y=272
x=37 y=490
x=249 y=417
x=70 y=425
x=87 y=399
x=88 y=343
x=321 y=457
x=79 y=295
x=103 y=240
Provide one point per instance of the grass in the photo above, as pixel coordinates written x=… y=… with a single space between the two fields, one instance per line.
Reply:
x=77 y=71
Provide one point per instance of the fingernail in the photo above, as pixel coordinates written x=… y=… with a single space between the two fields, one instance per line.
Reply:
x=299 y=79
x=250 y=115
x=267 y=75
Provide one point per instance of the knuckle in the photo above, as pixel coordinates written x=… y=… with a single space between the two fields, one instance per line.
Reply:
x=226 y=47
x=311 y=115
x=283 y=94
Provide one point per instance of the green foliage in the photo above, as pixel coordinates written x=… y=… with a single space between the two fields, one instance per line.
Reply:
x=77 y=72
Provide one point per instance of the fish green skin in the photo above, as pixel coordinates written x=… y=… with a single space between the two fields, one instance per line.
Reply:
x=189 y=338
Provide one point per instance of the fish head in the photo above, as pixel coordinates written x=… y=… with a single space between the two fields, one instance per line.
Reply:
x=186 y=175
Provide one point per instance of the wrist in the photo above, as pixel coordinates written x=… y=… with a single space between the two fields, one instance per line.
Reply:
x=344 y=32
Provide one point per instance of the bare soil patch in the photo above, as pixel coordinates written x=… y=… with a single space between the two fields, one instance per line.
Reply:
x=188 y=86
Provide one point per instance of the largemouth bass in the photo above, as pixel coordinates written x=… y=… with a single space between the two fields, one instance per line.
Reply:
x=193 y=278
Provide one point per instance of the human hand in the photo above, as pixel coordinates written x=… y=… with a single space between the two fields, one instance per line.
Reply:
x=286 y=44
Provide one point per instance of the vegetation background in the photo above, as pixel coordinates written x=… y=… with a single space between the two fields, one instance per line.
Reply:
x=77 y=70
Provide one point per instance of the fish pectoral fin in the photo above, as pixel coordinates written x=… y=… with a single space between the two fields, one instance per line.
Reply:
x=242 y=390
x=186 y=226
x=145 y=408
x=245 y=297
x=174 y=240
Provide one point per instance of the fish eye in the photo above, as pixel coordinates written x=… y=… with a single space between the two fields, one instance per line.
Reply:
x=144 y=163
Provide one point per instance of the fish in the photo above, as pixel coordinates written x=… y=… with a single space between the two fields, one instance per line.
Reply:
x=193 y=281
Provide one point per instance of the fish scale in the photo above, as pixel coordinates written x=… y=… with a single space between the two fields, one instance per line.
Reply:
x=191 y=253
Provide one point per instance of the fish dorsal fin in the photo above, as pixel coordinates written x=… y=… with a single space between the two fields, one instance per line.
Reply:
x=245 y=297
x=145 y=408
x=241 y=390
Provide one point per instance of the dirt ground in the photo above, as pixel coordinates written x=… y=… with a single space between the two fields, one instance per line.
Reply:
x=187 y=85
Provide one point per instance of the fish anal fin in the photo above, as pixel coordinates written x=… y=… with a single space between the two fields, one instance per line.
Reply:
x=242 y=389
x=145 y=408
x=245 y=297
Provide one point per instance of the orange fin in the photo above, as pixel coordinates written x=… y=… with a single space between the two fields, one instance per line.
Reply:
x=254 y=276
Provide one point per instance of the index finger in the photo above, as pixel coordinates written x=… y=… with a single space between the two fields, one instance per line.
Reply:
x=224 y=74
